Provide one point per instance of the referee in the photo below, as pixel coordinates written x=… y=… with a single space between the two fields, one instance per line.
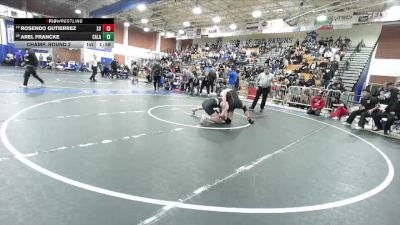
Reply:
x=264 y=81
x=31 y=63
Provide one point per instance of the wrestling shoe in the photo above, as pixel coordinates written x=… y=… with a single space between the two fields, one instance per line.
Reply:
x=358 y=128
x=193 y=111
x=204 y=120
x=346 y=123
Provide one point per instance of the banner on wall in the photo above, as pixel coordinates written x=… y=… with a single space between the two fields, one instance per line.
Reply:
x=326 y=27
x=252 y=26
x=368 y=17
x=3 y=10
x=342 y=19
x=9 y=25
x=205 y=31
x=10 y=34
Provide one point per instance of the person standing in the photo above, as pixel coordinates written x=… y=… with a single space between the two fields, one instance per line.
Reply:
x=232 y=76
x=114 y=68
x=157 y=72
x=31 y=63
x=212 y=75
x=94 y=69
x=264 y=81
x=327 y=77
x=40 y=60
x=135 y=72
x=205 y=82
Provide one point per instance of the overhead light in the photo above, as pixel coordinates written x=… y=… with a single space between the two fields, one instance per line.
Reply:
x=144 y=20
x=170 y=34
x=256 y=14
x=141 y=7
x=197 y=10
x=146 y=29
x=321 y=18
x=233 y=26
x=162 y=34
x=78 y=11
x=186 y=24
x=103 y=17
x=126 y=24
x=181 y=32
x=217 y=19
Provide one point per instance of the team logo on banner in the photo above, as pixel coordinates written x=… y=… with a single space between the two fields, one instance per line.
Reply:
x=363 y=19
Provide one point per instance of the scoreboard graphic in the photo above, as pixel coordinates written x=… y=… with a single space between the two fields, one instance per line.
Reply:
x=64 y=33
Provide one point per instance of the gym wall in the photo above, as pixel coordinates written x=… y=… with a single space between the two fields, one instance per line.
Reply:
x=369 y=33
x=186 y=43
x=118 y=33
x=120 y=59
x=138 y=38
x=385 y=63
x=168 y=44
x=65 y=54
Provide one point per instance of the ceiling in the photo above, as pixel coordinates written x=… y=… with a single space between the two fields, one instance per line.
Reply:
x=169 y=15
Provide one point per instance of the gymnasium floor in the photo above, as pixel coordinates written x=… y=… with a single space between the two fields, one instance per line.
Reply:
x=112 y=153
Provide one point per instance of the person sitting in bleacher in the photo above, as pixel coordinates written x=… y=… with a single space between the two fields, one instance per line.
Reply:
x=337 y=85
x=369 y=107
x=310 y=82
x=392 y=113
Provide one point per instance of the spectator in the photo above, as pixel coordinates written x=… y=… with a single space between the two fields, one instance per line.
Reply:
x=369 y=107
x=212 y=75
x=310 y=82
x=387 y=94
x=392 y=113
x=317 y=103
x=157 y=73
x=339 y=109
x=232 y=76
x=94 y=69
x=40 y=60
x=327 y=76
x=337 y=85
x=114 y=68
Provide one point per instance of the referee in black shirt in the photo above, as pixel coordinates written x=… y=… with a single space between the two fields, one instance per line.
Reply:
x=31 y=63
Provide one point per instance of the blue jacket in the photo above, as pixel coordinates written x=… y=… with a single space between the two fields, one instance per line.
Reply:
x=232 y=77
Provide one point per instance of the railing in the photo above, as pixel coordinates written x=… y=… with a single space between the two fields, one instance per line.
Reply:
x=301 y=96
x=347 y=64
